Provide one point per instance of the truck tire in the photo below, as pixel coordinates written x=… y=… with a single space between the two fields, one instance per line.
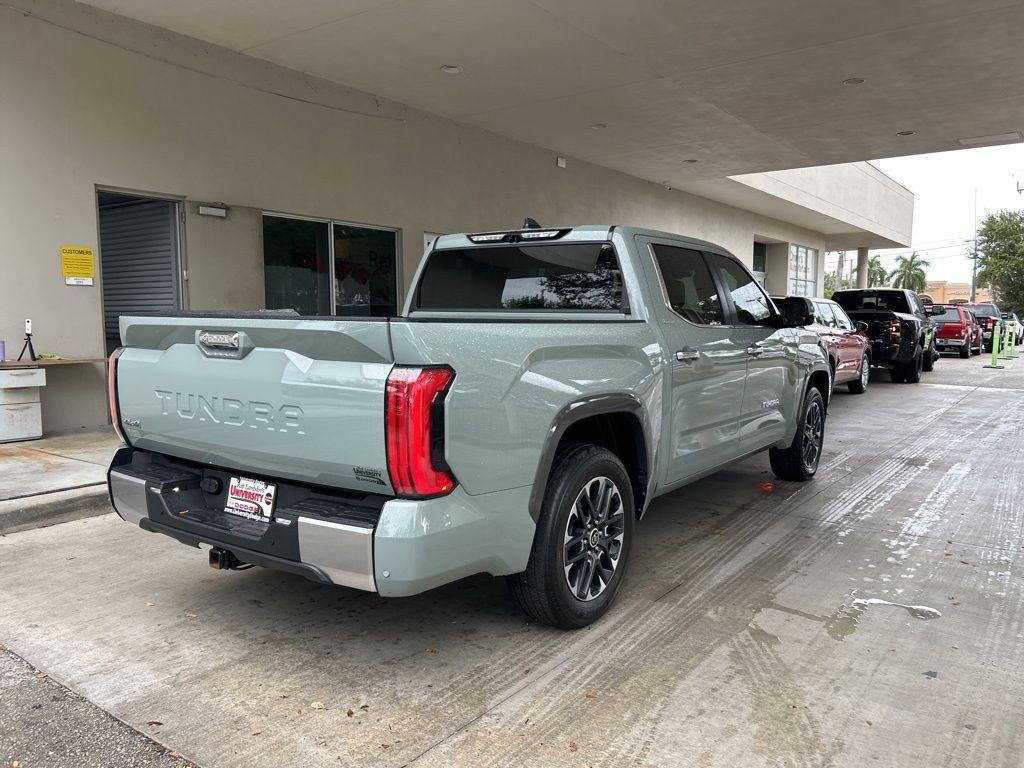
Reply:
x=898 y=373
x=587 y=518
x=965 y=352
x=912 y=370
x=800 y=460
x=928 y=361
x=860 y=385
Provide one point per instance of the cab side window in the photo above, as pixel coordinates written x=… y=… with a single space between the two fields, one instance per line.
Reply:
x=843 y=320
x=690 y=291
x=752 y=305
x=823 y=314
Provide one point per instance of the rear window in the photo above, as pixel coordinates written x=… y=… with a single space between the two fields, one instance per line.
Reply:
x=983 y=310
x=566 y=276
x=885 y=301
x=951 y=315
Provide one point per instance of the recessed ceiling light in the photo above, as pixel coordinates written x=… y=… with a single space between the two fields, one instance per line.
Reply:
x=451 y=69
x=599 y=126
x=854 y=81
x=906 y=133
x=994 y=138
x=690 y=160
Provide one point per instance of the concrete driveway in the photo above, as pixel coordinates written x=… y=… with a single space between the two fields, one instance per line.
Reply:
x=871 y=617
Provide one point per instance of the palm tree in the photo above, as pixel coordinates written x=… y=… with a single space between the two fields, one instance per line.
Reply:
x=909 y=273
x=876 y=272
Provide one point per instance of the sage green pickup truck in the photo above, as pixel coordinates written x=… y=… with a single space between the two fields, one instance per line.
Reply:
x=539 y=389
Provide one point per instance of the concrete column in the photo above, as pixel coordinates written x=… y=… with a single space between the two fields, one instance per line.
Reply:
x=862 y=267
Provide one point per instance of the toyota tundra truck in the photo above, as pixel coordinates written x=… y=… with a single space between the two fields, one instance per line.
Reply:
x=538 y=390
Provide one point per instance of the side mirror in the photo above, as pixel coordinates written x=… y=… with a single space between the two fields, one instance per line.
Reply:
x=796 y=311
x=861 y=326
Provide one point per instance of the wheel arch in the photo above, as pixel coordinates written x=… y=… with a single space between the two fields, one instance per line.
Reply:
x=616 y=421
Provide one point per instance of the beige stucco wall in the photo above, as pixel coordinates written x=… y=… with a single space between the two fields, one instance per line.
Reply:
x=78 y=112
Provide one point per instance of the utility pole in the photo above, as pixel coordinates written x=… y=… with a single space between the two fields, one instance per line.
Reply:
x=974 y=251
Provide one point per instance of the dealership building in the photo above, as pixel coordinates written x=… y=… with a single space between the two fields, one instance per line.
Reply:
x=303 y=157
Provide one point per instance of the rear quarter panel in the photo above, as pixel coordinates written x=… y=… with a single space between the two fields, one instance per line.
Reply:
x=513 y=378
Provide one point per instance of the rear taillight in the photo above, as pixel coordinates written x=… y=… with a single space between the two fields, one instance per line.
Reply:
x=414 y=405
x=895 y=330
x=115 y=411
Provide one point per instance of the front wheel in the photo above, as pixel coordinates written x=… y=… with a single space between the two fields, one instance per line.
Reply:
x=800 y=460
x=860 y=385
x=581 y=547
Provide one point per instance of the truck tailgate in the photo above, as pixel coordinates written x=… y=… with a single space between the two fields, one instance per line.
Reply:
x=291 y=397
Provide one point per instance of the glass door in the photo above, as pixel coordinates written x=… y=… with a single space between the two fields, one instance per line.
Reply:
x=365 y=271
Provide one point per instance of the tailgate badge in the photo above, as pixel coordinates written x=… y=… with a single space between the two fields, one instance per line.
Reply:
x=219 y=339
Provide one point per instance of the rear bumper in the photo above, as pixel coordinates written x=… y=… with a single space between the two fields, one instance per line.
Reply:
x=399 y=547
x=940 y=342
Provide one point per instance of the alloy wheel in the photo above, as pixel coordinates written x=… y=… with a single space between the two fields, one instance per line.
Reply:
x=814 y=432
x=593 y=539
x=865 y=372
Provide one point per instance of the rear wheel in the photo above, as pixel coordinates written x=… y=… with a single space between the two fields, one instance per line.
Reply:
x=581 y=547
x=930 y=355
x=965 y=352
x=800 y=460
x=860 y=385
x=912 y=370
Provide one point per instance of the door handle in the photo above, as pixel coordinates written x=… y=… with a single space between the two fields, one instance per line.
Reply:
x=754 y=350
x=687 y=355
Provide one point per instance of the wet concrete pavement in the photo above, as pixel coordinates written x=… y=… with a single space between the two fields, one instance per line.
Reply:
x=871 y=617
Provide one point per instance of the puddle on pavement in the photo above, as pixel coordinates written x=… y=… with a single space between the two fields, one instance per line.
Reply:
x=844 y=621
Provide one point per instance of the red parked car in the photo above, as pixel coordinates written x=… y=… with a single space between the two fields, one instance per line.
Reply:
x=847 y=344
x=958 y=331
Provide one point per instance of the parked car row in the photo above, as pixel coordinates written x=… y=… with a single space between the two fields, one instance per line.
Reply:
x=538 y=390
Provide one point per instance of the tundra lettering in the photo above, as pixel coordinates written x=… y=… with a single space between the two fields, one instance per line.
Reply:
x=538 y=389
x=231 y=411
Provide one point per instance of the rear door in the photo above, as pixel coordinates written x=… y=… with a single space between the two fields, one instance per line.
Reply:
x=278 y=397
x=706 y=364
x=771 y=355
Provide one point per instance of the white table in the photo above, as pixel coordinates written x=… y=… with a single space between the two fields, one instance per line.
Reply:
x=21 y=414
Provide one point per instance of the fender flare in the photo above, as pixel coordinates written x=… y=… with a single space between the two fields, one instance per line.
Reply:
x=574 y=412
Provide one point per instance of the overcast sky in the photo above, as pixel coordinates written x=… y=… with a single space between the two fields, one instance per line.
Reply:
x=944 y=185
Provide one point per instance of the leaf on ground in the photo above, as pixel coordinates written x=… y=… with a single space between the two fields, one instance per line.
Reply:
x=173 y=754
x=191 y=615
x=572 y=746
x=868 y=722
x=150 y=604
x=3 y=648
x=41 y=675
x=317 y=705
x=365 y=707
x=152 y=723
x=349 y=713
x=430 y=650
x=589 y=695
x=256 y=733
x=385 y=746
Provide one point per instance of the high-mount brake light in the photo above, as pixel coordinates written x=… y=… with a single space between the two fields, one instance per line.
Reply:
x=544 y=234
x=492 y=237
x=414 y=433
x=115 y=411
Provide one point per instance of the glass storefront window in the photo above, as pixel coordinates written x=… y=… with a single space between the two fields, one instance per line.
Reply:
x=803 y=270
x=296 y=260
x=298 y=255
x=365 y=279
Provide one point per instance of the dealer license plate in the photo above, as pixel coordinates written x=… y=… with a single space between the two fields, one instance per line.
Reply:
x=250 y=498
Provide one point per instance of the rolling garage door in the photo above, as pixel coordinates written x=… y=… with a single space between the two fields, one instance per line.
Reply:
x=139 y=257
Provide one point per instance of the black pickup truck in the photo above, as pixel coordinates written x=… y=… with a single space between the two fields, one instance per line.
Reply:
x=900 y=327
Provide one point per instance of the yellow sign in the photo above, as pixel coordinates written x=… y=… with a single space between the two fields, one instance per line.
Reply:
x=77 y=264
